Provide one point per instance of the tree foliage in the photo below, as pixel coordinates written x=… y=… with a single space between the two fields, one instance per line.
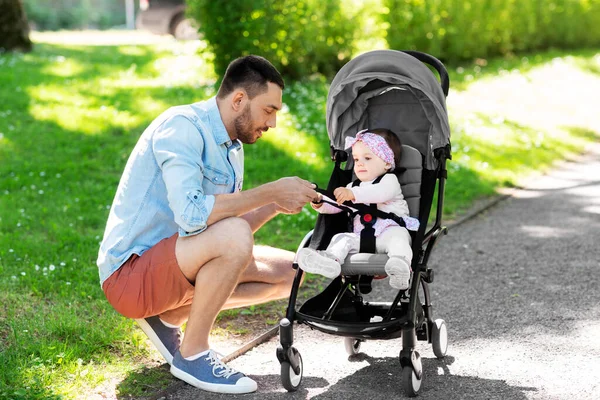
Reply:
x=300 y=37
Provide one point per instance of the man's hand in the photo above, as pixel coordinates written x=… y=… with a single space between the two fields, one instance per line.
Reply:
x=292 y=193
x=343 y=194
x=318 y=202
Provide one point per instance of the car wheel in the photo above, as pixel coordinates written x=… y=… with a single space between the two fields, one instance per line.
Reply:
x=184 y=28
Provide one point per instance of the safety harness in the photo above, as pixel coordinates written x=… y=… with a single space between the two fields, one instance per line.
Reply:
x=369 y=213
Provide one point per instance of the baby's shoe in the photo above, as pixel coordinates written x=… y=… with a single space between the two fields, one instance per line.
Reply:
x=318 y=262
x=399 y=272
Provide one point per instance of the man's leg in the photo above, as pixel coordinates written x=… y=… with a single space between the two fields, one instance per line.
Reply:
x=268 y=277
x=219 y=264
x=214 y=261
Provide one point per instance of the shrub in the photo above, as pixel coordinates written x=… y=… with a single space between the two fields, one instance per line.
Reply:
x=454 y=30
x=74 y=14
x=300 y=37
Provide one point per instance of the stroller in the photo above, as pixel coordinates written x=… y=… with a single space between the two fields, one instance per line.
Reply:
x=394 y=90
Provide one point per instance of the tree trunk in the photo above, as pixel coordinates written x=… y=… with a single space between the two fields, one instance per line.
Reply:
x=14 y=29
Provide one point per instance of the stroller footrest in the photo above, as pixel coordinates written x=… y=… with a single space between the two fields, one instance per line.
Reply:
x=364 y=264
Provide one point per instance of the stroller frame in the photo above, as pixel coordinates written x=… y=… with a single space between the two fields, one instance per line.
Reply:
x=407 y=316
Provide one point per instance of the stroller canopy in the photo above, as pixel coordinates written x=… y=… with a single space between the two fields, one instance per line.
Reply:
x=389 y=89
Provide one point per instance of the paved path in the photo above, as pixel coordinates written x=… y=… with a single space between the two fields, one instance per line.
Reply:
x=519 y=288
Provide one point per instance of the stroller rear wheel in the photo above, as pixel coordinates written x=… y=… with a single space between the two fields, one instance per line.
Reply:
x=439 y=338
x=352 y=346
x=289 y=378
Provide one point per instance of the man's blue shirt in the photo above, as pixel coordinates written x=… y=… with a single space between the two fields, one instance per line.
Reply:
x=180 y=162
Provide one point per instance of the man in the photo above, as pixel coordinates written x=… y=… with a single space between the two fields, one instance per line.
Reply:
x=179 y=244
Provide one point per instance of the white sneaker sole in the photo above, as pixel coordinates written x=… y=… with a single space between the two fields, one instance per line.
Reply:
x=243 y=385
x=311 y=261
x=399 y=273
x=155 y=340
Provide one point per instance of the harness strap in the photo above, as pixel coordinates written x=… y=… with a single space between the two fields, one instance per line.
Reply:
x=368 y=216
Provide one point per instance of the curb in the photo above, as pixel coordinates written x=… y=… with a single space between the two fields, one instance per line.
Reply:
x=260 y=339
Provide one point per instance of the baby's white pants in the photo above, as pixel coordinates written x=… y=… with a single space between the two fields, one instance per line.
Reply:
x=394 y=241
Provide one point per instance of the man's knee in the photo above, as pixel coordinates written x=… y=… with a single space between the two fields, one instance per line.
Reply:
x=240 y=243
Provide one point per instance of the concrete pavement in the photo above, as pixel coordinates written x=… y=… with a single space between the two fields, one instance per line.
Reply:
x=518 y=288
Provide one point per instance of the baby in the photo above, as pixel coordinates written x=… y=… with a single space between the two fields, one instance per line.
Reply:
x=376 y=152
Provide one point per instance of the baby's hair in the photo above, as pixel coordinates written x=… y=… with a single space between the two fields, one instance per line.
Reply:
x=392 y=140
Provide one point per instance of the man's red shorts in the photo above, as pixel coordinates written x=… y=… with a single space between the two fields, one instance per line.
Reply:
x=150 y=284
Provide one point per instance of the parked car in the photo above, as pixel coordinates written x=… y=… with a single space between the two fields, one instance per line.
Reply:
x=166 y=17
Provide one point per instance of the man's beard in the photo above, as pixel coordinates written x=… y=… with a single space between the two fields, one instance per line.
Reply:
x=243 y=126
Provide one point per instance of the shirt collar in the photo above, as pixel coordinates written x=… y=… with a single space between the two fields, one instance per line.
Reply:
x=216 y=123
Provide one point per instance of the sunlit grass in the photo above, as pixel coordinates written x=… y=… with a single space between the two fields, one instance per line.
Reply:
x=70 y=115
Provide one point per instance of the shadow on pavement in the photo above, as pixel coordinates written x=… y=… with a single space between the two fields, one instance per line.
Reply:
x=381 y=379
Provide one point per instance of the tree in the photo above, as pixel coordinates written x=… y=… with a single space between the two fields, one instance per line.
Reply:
x=14 y=29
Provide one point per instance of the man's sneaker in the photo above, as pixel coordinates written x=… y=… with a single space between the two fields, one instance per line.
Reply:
x=399 y=273
x=166 y=340
x=317 y=262
x=209 y=373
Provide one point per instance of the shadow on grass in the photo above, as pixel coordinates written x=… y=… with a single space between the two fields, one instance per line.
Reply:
x=63 y=180
x=148 y=383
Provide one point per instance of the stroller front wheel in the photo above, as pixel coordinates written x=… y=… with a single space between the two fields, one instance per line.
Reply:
x=290 y=379
x=439 y=338
x=411 y=384
x=412 y=375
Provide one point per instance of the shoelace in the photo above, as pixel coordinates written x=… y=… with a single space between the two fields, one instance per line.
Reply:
x=217 y=364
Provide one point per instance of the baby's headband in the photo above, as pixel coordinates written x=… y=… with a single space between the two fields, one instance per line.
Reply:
x=376 y=143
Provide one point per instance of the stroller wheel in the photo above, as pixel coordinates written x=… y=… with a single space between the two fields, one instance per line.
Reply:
x=290 y=379
x=352 y=345
x=410 y=382
x=439 y=338
x=412 y=372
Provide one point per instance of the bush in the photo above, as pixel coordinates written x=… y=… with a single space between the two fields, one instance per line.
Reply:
x=54 y=15
x=299 y=37
x=454 y=30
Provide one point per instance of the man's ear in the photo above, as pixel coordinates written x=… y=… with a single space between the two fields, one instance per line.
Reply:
x=238 y=100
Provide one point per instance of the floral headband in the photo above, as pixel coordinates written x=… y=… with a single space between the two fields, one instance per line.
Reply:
x=375 y=143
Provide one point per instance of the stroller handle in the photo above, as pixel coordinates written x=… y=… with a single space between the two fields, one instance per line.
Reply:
x=435 y=63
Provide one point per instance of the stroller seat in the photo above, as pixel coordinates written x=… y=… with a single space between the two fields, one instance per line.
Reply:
x=410 y=181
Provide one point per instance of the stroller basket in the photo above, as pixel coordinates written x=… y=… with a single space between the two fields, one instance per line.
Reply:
x=347 y=315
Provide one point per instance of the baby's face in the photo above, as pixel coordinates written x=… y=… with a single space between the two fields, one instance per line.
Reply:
x=367 y=166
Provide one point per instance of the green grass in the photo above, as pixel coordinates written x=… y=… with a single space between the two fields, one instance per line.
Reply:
x=71 y=114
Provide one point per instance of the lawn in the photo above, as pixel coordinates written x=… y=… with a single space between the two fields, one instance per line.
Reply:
x=71 y=113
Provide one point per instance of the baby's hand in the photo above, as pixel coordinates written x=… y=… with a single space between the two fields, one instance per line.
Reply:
x=343 y=194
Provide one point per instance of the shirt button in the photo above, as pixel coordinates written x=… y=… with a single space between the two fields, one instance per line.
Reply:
x=195 y=197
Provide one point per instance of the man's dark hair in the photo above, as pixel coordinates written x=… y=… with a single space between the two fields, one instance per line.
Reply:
x=252 y=73
x=392 y=140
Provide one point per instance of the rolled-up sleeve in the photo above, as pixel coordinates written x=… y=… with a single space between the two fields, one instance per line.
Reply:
x=177 y=145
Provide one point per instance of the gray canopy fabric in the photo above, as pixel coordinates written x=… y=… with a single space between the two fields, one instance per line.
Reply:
x=389 y=89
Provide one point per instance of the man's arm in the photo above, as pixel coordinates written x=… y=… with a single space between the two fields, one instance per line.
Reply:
x=260 y=204
x=178 y=147
x=257 y=218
